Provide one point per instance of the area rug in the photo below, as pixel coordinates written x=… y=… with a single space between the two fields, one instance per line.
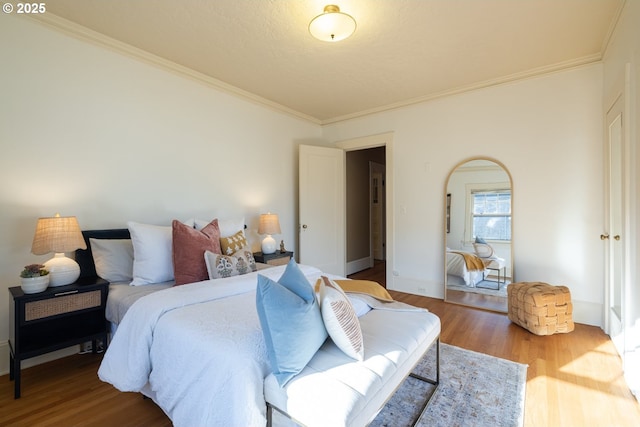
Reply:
x=475 y=390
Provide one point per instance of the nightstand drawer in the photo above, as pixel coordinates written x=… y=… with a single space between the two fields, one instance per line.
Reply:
x=279 y=261
x=276 y=258
x=62 y=304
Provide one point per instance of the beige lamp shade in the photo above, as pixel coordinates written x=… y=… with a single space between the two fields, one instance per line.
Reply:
x=269 y=225
x=59 y=234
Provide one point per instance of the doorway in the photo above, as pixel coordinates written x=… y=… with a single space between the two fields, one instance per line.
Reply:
x=366 y=208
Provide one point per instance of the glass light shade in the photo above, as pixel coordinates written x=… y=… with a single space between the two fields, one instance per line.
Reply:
x=332 y=25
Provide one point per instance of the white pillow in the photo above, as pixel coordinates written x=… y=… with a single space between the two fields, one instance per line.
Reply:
x=152 y=253
x=228 y=227
x=340 y=319
x=113 y=259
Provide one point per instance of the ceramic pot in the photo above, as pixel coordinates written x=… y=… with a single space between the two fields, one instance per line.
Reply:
x=33 y=285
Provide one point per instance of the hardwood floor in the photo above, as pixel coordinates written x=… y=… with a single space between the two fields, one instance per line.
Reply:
x=573 y=379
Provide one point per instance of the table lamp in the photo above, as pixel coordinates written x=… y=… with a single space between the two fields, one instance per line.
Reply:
x=59 y=234
x=269 y=225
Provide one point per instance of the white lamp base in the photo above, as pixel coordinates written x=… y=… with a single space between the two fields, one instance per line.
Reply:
x=268 y=245
x=62 y=270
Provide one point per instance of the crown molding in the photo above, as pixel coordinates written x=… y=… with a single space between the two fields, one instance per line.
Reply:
x=528 y=74
x=82 y=33
x=85 y=34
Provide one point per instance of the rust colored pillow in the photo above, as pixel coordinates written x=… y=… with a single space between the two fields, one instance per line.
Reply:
x=189 y=246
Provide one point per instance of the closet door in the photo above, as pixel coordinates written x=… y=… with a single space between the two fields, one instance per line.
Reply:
x=614 y=224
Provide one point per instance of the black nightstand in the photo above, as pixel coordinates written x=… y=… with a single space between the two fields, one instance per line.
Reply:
x=56 y=318
x=277 y=258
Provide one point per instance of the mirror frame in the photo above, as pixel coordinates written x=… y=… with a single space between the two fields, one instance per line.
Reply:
x=446 y=224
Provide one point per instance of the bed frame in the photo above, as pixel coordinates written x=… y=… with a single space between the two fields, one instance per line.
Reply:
x=84 y=257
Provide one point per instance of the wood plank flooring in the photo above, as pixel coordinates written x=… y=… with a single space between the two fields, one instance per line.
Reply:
x=573 y=379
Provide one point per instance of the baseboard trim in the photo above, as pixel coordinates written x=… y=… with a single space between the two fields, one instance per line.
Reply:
x=432 y=289
x=4 y=361
x=359 y=265
x=587 y=313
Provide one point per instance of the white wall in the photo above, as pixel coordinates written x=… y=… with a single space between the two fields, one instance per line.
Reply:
x=89 y=132
x=548 y=133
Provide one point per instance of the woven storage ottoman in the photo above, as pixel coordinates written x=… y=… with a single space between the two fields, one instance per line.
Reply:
x=540 y=308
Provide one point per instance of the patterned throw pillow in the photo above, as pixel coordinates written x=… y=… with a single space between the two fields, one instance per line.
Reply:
x=340 y=319
x=233 y=244
x=220 y=266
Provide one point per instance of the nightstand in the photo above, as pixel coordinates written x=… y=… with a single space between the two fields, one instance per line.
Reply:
x=56 y=318
x=276 y=258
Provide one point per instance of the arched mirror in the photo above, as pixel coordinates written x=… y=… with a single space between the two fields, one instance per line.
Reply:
x=478 y=234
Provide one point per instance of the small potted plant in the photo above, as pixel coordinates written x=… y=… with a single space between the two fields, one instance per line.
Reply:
x=35 y=278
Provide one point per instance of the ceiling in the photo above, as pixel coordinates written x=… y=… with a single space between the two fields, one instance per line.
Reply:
x=403 y=51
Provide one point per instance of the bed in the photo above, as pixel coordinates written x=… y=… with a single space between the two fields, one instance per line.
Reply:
x=199 y=351
x=462 y=272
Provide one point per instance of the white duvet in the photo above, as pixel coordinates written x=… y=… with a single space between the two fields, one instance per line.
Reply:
x=199 y=349
x=456 y=266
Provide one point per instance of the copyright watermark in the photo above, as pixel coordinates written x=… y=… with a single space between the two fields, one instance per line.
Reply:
x=24 y=8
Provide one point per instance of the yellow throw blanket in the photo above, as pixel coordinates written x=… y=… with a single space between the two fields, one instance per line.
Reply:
x=472 y=262
x=373 y=294
x=367 y=287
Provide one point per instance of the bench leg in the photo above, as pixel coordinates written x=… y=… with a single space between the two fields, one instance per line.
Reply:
x=435 y=382
x=269 y=415
x=270 y=409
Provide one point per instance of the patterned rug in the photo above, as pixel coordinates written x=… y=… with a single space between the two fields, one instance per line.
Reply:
x=475 y=390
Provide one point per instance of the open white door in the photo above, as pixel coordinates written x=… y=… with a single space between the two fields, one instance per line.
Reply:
x=322 y=208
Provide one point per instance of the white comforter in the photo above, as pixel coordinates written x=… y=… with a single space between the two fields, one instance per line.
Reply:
x=199 y=349
x=456 y=266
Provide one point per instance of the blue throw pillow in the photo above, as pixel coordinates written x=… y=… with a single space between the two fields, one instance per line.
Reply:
x=291 y=322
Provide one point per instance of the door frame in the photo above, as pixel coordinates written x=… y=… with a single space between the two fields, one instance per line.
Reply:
x=380 y=140
x=377 y=168
x=620 y=94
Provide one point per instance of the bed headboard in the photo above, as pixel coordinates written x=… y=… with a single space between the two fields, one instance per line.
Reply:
x=84 y=257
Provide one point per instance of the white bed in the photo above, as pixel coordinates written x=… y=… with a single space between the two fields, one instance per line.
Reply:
x=199 y=352
x=459 y=274
x=206 y=348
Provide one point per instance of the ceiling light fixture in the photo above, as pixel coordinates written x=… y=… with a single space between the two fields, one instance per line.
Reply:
x=332 y=25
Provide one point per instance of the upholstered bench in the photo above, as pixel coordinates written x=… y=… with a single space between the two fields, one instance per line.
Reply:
x=540 y=308
x=335 y=390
